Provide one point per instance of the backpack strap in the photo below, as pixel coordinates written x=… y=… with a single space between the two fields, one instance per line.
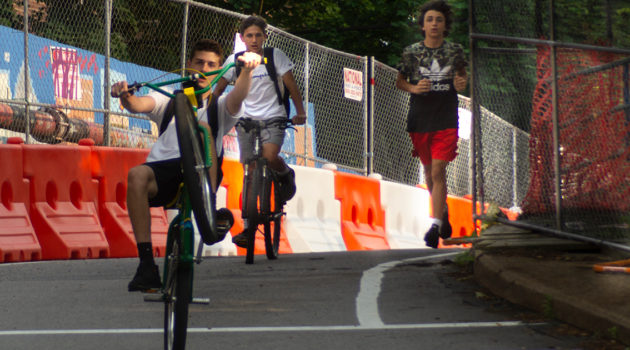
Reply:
x=273 y=75
x=213 y=112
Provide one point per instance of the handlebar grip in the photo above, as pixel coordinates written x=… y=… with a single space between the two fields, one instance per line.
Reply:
x=130 y=89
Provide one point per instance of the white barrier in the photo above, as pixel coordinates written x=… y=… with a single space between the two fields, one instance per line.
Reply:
x=407 y=217
x=223 y=248
x=313 y=221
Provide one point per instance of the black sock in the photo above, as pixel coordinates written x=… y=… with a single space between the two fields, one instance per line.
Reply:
x=145 y=252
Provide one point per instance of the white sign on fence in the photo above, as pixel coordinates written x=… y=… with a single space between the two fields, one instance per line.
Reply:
x=352 y=84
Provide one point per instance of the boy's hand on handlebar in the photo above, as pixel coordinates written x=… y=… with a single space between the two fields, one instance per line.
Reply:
x=249 y=60
x=299 y=119
x=120 y=90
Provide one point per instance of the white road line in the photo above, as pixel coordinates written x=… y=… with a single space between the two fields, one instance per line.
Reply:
x=420 y=326
x=370 y=288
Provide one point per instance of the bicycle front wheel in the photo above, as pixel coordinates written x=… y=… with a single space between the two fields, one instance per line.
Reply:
x=177 y=293
x=196 y=176
x=254 y=184
x=274 y=214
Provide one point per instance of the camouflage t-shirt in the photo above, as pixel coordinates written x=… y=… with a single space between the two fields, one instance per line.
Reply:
x=437 y=109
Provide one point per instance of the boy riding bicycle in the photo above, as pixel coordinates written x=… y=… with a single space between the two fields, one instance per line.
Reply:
x=266 y=100
x=156 y=182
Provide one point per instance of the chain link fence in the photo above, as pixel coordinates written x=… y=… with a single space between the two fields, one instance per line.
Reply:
x=565 y=168
x=562 y=155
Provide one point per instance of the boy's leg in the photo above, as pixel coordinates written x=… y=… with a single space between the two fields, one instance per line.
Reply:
x=286 y=175
x=141 y=186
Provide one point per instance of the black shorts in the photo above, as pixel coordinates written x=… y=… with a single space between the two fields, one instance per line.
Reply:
x=168 y=176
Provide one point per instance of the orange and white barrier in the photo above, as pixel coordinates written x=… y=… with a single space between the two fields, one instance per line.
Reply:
x=67 y=202
x=313 y=220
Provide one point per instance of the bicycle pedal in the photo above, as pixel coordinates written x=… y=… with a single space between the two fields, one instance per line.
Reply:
x=154 y=297
x=204 y=301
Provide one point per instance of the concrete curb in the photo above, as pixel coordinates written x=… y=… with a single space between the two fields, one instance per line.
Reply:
x=538 y=285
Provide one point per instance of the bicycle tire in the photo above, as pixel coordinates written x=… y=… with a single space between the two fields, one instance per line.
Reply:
x=177 y=293
x=196 y=176
x=272 y=234
x=252 y=211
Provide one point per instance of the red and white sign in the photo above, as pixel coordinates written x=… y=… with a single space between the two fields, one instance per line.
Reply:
x=352 y=84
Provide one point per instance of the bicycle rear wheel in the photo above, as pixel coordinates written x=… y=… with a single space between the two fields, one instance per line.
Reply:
x=196 y=176
x=274 y=215
x=177 y=295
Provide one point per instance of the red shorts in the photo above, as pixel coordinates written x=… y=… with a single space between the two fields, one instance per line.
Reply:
x=440 y=144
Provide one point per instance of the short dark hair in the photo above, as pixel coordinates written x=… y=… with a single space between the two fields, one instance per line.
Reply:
x=439 y=6
x=252 y=21
x=206 y=45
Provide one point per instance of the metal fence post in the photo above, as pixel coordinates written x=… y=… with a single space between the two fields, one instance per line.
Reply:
x=106 y=76
x=184 y=38
x=27 y=79
x=554 y=116
x=306 y=91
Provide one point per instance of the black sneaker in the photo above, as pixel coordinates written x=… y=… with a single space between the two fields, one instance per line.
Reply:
x=225 y=220
x=147 y=278
x=287 y=185
x=240 y=240
x=446 y=230
x=432 y=237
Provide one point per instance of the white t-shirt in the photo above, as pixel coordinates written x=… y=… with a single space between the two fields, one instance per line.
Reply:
x=262 y=100
x=166 y=146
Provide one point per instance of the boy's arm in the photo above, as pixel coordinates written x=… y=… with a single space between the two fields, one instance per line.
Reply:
x=132 y=103
x=296 y=96
x=243 y=82
x=423 y=85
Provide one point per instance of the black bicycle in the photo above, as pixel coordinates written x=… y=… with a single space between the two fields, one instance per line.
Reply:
x=262 y=200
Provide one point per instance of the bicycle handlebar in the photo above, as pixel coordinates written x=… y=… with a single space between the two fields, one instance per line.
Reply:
x=193 y=77
x=251 y=124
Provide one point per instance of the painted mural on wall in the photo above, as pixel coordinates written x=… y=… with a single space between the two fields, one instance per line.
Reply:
x=69 y=81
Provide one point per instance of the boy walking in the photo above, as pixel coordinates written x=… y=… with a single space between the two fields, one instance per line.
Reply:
x=266 y=100
x=433 y=71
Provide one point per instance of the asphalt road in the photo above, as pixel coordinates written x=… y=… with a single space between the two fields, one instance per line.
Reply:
x=393 y=299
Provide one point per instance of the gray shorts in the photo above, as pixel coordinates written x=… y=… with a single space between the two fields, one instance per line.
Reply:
x=272 y=134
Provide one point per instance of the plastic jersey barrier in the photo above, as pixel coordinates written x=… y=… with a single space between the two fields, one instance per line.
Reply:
x=362 y=218
x=63 y=197
x=313 y=221
x=18 y=241
x=110 y=167
x=406 y=214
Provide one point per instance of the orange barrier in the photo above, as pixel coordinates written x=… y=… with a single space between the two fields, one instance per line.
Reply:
x=18 y=241
x=62 y=197
x=362 y=218
x=109 y=168
x=460 y=217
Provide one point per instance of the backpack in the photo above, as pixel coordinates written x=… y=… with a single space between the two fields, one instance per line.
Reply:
x=271 y=70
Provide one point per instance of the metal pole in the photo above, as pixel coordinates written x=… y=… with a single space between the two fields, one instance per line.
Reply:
x=370 y=101
x=306 y=92
x=27 y=79
x=474 y=106
x=184 y=38
x=366 y=121
x=554 y=116
x=106 y=76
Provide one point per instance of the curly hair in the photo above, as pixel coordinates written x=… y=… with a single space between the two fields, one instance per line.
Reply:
x=252 y=21
x=439 y=6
